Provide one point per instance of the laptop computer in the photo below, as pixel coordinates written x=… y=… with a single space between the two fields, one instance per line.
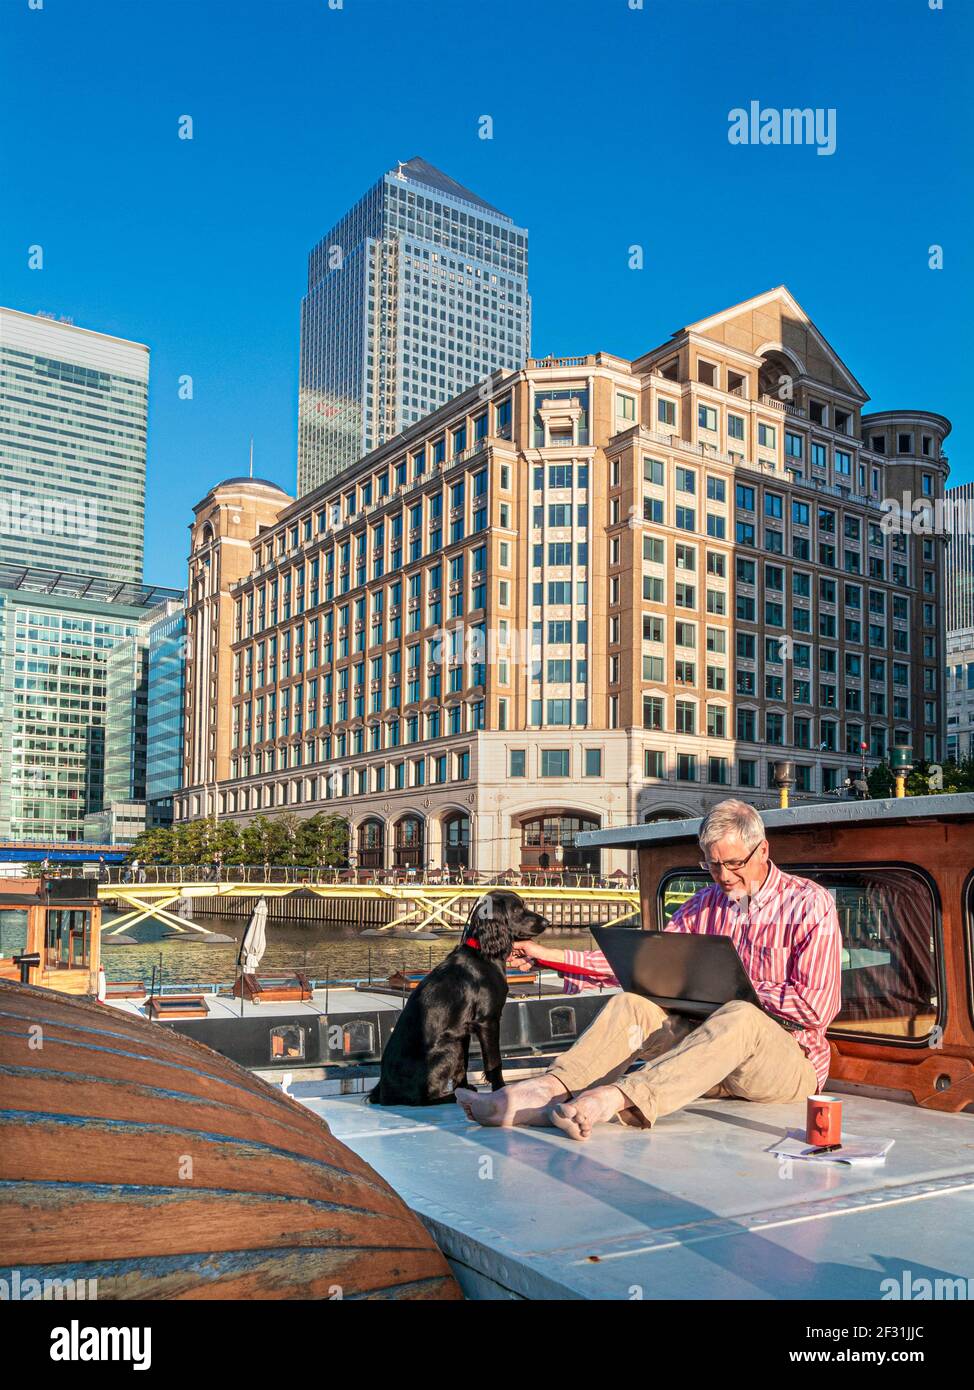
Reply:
x=683 y=972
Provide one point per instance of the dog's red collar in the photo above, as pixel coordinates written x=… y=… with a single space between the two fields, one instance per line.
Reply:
x=472 y=942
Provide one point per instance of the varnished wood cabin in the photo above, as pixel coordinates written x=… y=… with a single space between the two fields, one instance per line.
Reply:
x=63 y=933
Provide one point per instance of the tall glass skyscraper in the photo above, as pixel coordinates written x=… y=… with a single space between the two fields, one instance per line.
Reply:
x=73 y=406
x=419 y=292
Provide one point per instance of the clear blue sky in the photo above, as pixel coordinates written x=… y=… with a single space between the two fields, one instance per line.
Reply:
x=610 y=128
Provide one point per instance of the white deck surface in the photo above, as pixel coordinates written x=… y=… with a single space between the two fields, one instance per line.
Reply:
x=694 y=1209
x=340 y=1000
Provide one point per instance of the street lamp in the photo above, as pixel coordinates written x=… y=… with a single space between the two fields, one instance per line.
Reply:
x=902 y=761
x=784 y=780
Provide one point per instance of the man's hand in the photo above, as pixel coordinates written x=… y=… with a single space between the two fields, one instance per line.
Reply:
x=525 y=952
x=518 y=958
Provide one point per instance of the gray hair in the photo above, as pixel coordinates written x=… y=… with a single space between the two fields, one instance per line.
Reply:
x=732 y=818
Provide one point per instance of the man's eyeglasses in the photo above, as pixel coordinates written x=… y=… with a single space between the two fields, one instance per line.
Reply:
x=713 y=866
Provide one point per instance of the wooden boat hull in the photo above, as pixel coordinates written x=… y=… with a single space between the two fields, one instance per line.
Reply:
x=145 y=1161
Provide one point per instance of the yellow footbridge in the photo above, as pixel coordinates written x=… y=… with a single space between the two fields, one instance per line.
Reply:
x=419 y=908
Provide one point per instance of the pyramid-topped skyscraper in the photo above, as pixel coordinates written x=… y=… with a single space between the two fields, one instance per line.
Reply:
x=418 y=292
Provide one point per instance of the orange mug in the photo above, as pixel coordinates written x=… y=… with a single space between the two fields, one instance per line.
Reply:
x=823 y=1121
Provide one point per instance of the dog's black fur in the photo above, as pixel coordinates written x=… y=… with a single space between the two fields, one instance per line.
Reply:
x=426 y=1057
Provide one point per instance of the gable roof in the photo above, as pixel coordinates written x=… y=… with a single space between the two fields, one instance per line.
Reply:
x=782 y=295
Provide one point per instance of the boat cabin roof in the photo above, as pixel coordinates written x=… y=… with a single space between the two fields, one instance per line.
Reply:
x=696 y=1208
x=840 y=814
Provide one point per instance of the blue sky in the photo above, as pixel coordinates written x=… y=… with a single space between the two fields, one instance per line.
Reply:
x=609 y=129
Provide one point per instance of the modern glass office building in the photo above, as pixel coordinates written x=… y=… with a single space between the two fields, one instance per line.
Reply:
x=960 y=620
x=419 y=292
x=126 y=706
x=57 y=635
x=167 y=695
x=73 y=407
x=959 y=516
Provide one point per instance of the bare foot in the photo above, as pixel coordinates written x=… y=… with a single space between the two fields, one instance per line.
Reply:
x=524 y=1103
x=577 y=1117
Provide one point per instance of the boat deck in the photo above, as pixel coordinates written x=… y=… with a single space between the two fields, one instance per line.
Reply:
x=339 y=999
x=225 y=1006
x=694 y=1209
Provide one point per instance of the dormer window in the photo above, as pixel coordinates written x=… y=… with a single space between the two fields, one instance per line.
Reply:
x=818 y=412
x=843 y=420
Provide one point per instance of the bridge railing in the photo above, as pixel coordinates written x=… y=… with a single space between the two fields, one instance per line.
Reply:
x=297 y=875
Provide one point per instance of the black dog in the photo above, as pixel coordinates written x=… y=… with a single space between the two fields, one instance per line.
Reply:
x=426 y=1057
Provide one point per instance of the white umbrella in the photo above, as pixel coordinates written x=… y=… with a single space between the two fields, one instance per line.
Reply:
x=254 y=941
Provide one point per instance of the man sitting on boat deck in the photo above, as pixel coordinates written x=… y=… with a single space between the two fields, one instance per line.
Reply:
x=787 y=934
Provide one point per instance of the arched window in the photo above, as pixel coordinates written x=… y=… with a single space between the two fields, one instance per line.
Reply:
x=409 y=843
x=371 y=845
x=548 y=842
x=776 y=375
x=456 y=841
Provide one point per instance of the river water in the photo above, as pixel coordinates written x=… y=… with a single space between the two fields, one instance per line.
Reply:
x=321 y=951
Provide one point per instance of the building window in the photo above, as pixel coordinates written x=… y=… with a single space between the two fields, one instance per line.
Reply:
x=652 y=712
x=654 y=763
x=554 y=762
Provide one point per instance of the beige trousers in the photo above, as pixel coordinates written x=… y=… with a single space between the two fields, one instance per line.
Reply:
x=738 y=1051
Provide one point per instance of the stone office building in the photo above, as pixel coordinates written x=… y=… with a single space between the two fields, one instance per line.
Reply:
x=591 y=592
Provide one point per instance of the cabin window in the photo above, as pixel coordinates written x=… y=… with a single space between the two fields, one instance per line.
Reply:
x=353 y=1038
x=13 y=932
x=890 y=942
x=68 y=938
x=287 y=1043
x=562 y=1022
x=675 y=890
x=891 y=945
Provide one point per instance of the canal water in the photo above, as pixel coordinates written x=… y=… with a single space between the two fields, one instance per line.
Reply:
x=323 y=952
x=333 y=951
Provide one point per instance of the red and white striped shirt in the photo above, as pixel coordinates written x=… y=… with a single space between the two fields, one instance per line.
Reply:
x=787 y=936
